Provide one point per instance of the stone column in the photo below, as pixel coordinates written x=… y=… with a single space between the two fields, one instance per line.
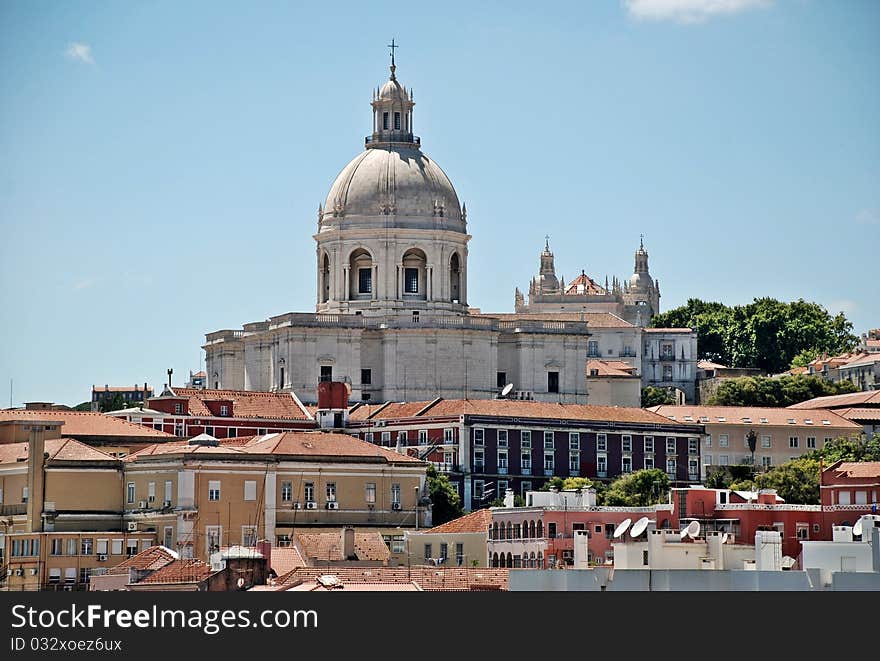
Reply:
x=345 y=283
x=375 y=287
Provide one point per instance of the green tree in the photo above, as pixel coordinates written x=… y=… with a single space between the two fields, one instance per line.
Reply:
x=776 y=391
x=848 y=449
x=767 y=334
x=518 y=501
x=638 y=489
x=446 y=504
x=796 y=481
x=112 y=404
x=805 y=357
x=653 y=396
x=85 y=406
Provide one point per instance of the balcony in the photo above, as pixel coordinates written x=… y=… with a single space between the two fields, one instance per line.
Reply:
x=502 y=470
x=526 y=470
x=445 y=467
x=396 y=136
x=548 y=472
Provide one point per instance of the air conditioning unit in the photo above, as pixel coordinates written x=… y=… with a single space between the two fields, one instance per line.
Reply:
x=33 y=571
x=332 y=505
x=142 y=504
x=297 y=506
x=19 y=572
x=102 y=557
x=132 y=526
x=395 y=506
x=311 y=505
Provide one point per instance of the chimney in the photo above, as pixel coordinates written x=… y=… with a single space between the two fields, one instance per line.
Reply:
x=264 y=546
x=36 y=477
x=348 y=544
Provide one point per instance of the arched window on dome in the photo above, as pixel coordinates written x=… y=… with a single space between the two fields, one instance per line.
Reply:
x=415 y=274
x=325 y=278
x=361 y=274
x=455 y=278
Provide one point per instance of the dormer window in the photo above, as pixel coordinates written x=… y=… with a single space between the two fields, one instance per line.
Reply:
x=396 y=121
x=224 y=409
x=178 y=408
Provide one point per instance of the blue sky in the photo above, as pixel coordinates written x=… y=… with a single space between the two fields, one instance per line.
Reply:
x=162 y=162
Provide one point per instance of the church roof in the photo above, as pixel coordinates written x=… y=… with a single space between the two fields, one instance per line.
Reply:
x=584 y=285
x=614 y=368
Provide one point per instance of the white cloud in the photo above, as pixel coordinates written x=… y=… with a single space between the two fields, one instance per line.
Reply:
x=868 y=217
x=844 y=305
x=688 y=11
x=80 y=52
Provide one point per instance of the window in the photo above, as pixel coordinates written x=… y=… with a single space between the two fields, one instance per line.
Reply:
x=131 y=547
x=707 y=459
x=71 y=546
x=478 y=489
x=24 y=494
x=309 y=492
x=248 y=535
x=86 y=546
x=56 y=547
x=85 y=574
x=649 y=462
x=765 y=462
x=459 y=554
x=168 y=536
x=151 y=492
x=765 y=441
x=525 y=487
x=224 y=410
x=548 y=463
x=213 y=538
x=286 y=492
x=384 y=121
x=525 y=463
x=548 y=440
x=551 y=529
x=811 y=442
x=502 y=488
x=116 y=547
x=231 y=432
x=709 y=440
x=626 y=443
x=649 y=443
x=593 y=349
x=792 y=441
x=395 y=494
x=129 y=493
x=427 y=552
x=479 y=460
x=54 y=575
x=502 y=438
x=500 y=379
x=423 y=436
x=178 y=430
x=365 y=280
x=502 y=461
x=250 y=489
x=626 y=465
x=666 y=351
x=386 y=437
x=602 y=465
x=449 y=436
x=552 y=381
x=723 y=440
x=366 y=377
x=693 y=467
x=214 y=490
x=370 y=493
x=667 y=372
x=574 y=441
x=330 y=492
x=525 y=440
x=670 y=445
x=368 y=437
x=723 y=460
x=178 y=408
x=803 y=530
x=601 y=443
x=402 y=437
x=326 y=372
x=693 y=445
x=410 y=281
x=574 y=463
x=478 y=437
x=670 y=466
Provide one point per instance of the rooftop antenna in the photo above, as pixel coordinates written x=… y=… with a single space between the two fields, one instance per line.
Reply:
x=621 y=528
x=170 y=372
x=639 y=527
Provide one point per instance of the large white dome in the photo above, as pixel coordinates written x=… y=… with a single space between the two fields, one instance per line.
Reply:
x=394 y=185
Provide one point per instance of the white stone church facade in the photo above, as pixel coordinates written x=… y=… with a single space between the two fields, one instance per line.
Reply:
x=392 y=315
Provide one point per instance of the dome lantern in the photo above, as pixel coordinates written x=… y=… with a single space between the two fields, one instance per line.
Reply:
x=392 y=112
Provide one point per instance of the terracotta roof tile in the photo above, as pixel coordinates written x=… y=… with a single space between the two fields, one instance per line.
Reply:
x=584 y=284
x=317 y=546
x=478 y=521
x=245 y=403
x=542 y=410
x=856 y=469
x=153 y=558
x=319 y=444
x=181 y=571
x=733 y=415
x=285 y=559
x=857 y=414
x=615 y=368
x=85 y=423
x=59 y=449
x=870 y=397
x=356 y=587
x=427 y=578
x=709 y=365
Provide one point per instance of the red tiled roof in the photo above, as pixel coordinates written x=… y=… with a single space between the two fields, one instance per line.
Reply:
x=733 y=415
x=319 y=546
x=427 y=578
x=855 y=469
x=584 y=284
x=856 y=414
x=709 y=365
x=365 y=411
x=184 y=448
x=615 y=368
x=59 y=449
x=356 y=587
x=85 y=423
x=319 y=444
x=152 y=558
x=285 y=559
x=542 y=410
x=245 y=403
x=478 y=521
x=870 y=397
x=181 y=571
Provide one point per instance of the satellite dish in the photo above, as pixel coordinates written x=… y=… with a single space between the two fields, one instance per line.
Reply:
x=788 y=562
x=506 y=390
x=621 y=528
x=857 y=529
x=693 y=529
x=683 y=533
x=724 y=537
x=640 y=526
